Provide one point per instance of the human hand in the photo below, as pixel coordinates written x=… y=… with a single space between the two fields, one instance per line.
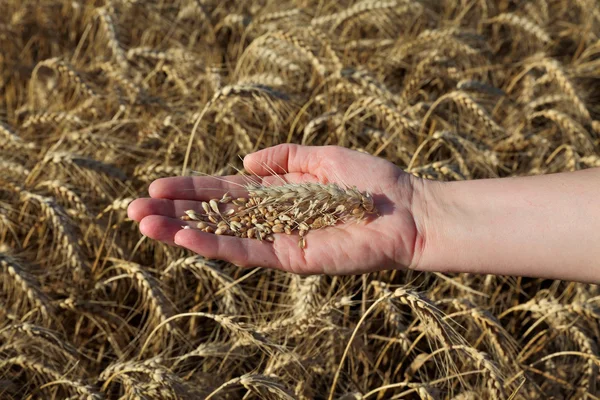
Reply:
x=382 y=242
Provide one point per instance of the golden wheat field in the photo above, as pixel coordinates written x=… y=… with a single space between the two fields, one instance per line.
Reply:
x=99 y=98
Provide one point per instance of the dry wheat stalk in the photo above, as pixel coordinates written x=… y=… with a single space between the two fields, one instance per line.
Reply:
x=465 y=101
x=267 y=19
x=501 y=341
x=258 y=384
x=67 y=242
x=590 y=347
x=545 y=100
x=86 y=140
x=304 y=48
x=148 y=173
x=206 y=270
x=86 y=392
x=195 y=11
x=333 y=117
x=574 y=130
x=539 y=9
x=153 y=298
x=73 y=200
x=56 y=118
x=13 y=168
x=70 y=160
x=172 y=55
x=106 y=17
x=523 y=24
x=364 y=6
x=494 y=380
x=387 y=112
x=467 y=395
x=206 y=350
x=305 y=294
x=371 y=84
x=558 y=317
x=275 y=79
x=421 y=71
x=429 y=38
x=558 y=75
x=268 y=55
x=46 y=338
x=23 y=281
x=427 y=312
x=67 y=72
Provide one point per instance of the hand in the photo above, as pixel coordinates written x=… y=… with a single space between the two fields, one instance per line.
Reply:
x=381 y=242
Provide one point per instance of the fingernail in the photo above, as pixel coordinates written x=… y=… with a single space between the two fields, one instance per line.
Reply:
x=175 y=238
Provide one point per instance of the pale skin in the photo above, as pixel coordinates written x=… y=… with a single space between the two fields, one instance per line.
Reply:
x=544 y=226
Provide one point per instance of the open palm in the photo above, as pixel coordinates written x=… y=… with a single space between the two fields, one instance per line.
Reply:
x=380 y=242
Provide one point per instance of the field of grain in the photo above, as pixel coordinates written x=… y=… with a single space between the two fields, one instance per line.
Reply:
x=99 y=98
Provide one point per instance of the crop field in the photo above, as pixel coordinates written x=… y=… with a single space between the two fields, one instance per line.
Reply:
x=100 y=98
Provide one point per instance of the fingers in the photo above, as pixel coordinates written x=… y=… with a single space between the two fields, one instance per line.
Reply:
x=242 y=252
x=141 y=208
x=198 y=187
x=160 y=228
x=294 y=177
x=284 y=158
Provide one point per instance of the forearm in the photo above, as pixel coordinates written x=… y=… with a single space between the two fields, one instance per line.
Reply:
x=544 y=226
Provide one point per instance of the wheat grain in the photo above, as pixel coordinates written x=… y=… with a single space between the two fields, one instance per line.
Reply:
x=288 y=208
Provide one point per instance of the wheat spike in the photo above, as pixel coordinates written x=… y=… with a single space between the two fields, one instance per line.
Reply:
x=206 y=270
x=15 y=169
x=558 y=75
x=86 y=392
x=153 y=298
x=524 y=24
x=106 y=17
x=66 y=237
x=10 y=138
x=24 y=282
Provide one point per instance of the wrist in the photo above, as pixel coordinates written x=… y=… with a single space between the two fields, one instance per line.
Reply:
x=428 y=209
